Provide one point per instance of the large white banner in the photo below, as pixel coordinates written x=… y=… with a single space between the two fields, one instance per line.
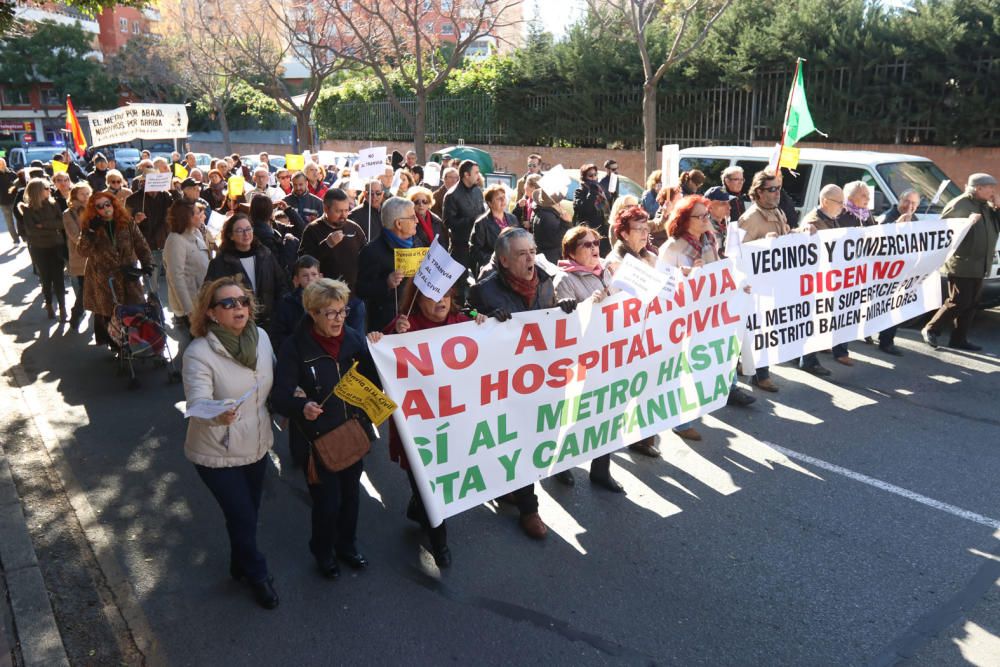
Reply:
x=138 y=121
x=812 y=292
x=486 y=409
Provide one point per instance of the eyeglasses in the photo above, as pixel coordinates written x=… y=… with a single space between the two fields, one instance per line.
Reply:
x=839 y=202
x=104 y=204
x=421 y=202
x=231 y=302
x=772 y=189
x=589 y=244
x=735 y=179
x=612 y=168
x=644 y=229
x=336 y=314
x=700 y=217
x=377 y=193
x=246 y=231
x=532 y=165
x=591 y=174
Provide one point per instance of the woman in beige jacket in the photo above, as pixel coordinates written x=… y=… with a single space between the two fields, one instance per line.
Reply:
x=231 y=359
x=185 y=257
x=78 y=196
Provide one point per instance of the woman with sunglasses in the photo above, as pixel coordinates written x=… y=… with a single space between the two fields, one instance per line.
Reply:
x=429 y=225
x=228 y=360
x=116 y=185
x=111 y=242
x=241 y=255
x=581 y=276
x=311 y=362
x=590 y=203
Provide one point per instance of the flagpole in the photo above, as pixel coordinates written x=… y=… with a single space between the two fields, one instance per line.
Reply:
x=788 y=107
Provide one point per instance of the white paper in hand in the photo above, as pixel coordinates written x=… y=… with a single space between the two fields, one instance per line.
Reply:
x=157 y=182
x=734 y=240
x=640 y=279
x=211 y=409
x=613 y=183
x=371 y=162
x=555 y=181
x=671 y=165
x=432 y=174
x=437 y=273
x=215 y=222
x=397 y=180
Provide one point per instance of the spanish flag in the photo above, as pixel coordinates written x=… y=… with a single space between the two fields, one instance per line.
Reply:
x=73 y=126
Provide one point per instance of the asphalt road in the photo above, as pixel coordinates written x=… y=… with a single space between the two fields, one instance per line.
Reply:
x=846 y=522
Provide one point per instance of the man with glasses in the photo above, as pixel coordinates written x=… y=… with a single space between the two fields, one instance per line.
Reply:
x=764 y=219
x=302 y=206
x=367 y=214
x=732 y=184
x=534 y=167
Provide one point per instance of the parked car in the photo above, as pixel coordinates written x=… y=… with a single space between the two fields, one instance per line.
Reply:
x=20 y=157
x=126 y=158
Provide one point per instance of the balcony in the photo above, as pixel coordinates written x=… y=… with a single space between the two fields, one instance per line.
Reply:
x=61 y=15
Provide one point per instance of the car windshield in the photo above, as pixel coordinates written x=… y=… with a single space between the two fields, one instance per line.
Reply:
x=43 y=153
x=126 y=154
x=925 y=178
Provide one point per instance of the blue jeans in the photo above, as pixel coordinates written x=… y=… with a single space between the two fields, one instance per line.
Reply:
x=238 y=491
x=8 y=218
x=887 y=337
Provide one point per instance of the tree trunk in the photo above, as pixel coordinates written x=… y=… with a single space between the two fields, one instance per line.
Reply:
x=649 y=128
x=303 y=131
x=420 y=128
x=220 y=111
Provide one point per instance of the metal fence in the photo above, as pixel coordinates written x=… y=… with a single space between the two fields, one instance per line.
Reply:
x=879 y=103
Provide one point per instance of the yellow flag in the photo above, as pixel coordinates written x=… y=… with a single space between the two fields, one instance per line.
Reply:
x=236 y=184
x=354 y=388
x=294 y=162
x=180 y=171
x=58 y=167
x=789 y=157
x=408 y=260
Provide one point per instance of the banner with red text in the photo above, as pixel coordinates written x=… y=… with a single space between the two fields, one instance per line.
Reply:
x=486 y=409
x=813 y=291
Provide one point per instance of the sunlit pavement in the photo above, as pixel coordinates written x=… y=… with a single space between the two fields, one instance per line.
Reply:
x=850 y=520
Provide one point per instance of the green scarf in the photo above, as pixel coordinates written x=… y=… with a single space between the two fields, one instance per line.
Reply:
x=243 y=347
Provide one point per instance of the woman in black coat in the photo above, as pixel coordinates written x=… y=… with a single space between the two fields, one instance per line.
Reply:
x=429 y=225
x=242 y=254
x=548 y=225
x=488 y=226
x=310 y=364
x=591 y=206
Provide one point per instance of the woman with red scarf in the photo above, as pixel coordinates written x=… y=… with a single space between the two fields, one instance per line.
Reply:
x=429 y=225
x=692 y=244
x=421 y=313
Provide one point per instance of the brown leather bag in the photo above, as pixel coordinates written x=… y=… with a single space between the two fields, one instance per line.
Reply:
x=343 y=446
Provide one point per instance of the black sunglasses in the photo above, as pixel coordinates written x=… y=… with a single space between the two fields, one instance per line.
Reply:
x=231 y=302
x=773 y=188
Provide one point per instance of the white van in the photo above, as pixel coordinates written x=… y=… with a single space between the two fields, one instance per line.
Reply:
x=888 y=174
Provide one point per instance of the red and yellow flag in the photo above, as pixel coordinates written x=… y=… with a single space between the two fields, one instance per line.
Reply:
x=73 y=125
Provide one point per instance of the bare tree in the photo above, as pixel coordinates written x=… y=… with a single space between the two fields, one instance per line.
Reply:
x=687 y=23
x=258 y=40
x=413 y=44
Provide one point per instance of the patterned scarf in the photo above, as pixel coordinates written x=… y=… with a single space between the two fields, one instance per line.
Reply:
x=527 y=289
x=861 y=214
x=570 y=266
x=704 y=248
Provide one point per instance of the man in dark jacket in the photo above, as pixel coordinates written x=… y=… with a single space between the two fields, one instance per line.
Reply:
x=8 y=183
x=334 y=240
x=462 y=205
x=591 y=207
x=301 y=206
x=517 y=286
x=971 y=261
x=380 y=284
x=149 y=211
x=611 y=167
x=732 y=183
x=368 y=215
x=96 y=177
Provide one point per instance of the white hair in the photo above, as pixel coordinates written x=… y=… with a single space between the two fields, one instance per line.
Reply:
x=854 y=187
x=394 y=208
x=731 y=171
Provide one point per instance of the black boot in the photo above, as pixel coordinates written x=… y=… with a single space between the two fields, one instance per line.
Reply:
x=439 y=546
x=264 y=593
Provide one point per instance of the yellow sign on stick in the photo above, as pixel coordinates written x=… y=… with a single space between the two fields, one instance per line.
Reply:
x=408 y=260
x=59 y=167
x=789 y=157
x=236 y=185
x=180 y=171
x=354 y=388
x=294 y=162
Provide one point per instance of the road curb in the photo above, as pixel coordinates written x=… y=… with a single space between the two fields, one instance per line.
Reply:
x=34 y=621
x=100 y=543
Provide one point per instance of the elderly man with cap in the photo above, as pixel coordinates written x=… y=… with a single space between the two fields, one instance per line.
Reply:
x=191 y=193
x=719 y=208
x=971 y=261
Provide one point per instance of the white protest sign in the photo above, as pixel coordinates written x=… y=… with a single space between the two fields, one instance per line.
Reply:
x=437 y=273
x=812 y=292
x=640 y=279
x=356 y=183
x=486 y=409
x=613 y=183
x=157 y=182
x=940 y=191
x=432 y=174
x=397 y=180
x=371 y=162
x=555 y=181
x=214 y=223
x=734 y=239
x=138 y=121
x=277 y=194
x=671 y=165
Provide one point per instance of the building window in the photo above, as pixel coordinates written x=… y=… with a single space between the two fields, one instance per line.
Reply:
x=15 y=97
x=135 y=28
x=123 y=24
x=51 y=97
x=447 y=29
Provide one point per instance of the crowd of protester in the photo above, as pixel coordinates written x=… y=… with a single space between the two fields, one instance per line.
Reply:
x=302 y=270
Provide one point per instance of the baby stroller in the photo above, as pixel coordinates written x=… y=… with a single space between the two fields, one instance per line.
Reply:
x=138 y=333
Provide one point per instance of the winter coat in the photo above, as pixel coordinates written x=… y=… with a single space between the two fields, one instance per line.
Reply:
x=759 y=222
x=105 y=260
x=494 y=293
x=8 y=185
x=973 y=258
x=440 y=232
x=820 y=220
x=211 y=373
x=578 y=285
x=287 y=315
x=44 y=225
x=485 y=231
x=269 y=283
x=377 y=261
x=303 y=209
x=155 y=207
x=462 y=207
x=341 y=261
x=185 y=258
x=548 y=227
x=360 y=216
x=303 y=363
x=71 y=226
x=591 y=207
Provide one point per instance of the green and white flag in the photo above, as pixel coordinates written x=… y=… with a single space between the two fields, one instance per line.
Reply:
x=800 y=122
